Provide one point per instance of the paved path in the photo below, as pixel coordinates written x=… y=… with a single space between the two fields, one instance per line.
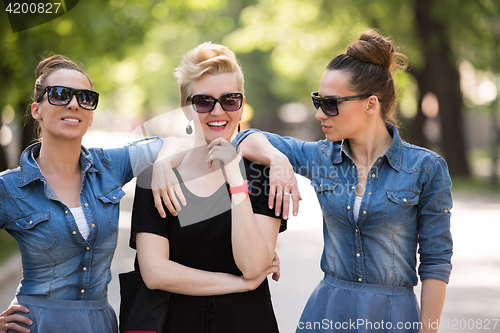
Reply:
x=473 y=295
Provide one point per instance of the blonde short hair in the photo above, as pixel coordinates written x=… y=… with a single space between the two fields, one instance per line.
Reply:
x=206 y=59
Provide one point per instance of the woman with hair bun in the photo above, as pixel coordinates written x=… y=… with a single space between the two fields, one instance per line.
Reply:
x=382 y=199
x=62 y=206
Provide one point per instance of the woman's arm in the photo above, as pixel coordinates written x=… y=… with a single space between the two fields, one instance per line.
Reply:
x=159 y=272
x=432 y=303
x=164 y=183
x=257 y=148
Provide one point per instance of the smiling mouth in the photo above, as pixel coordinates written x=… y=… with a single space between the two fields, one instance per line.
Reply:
x=217 y=124
x=72 y=120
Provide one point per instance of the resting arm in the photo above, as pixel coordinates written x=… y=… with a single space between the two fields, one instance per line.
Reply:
x=432 y=299
x=164 y=184
x=257 y=148
x=159 y=272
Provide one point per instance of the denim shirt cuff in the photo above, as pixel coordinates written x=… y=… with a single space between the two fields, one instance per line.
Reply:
x=144 y=152
x=439 y=272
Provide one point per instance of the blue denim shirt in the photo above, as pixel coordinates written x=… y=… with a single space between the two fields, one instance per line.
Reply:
x=58 y=263
x=406 y=205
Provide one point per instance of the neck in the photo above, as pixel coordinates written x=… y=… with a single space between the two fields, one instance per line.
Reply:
x=59 y=157
x=372 y=142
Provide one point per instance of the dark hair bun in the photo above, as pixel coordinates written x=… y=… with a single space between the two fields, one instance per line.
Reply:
x=54 y=62
x=374 y=48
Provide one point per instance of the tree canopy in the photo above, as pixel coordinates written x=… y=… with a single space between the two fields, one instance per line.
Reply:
x=131 y=47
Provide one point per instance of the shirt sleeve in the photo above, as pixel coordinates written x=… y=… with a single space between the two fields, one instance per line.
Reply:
x=300 y=153
x=145 y=217
x=131 y=160
x=434 y=235
x=258 y=176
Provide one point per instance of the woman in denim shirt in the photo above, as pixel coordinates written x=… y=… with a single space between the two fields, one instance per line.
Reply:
x=382 y=199
x=62 y=205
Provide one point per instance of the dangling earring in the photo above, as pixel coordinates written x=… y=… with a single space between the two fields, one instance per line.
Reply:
x=189 y=129
x=239 y=128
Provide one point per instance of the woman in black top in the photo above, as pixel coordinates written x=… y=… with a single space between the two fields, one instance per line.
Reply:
x=213 y=256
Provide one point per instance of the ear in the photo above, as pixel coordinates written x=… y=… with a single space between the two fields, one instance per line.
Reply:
x=187 y=109
x=373 y=104
x=35 y=111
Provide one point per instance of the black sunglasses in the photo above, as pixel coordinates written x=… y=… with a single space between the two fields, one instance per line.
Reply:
x=59 y=95
x=329 y=104
x=206 y=103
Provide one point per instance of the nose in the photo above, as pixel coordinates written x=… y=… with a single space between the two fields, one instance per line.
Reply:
x=217 y=110
x=73 y=103
x=320 y=115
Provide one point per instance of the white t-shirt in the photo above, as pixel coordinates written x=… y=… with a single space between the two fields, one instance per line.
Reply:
x=81 y=221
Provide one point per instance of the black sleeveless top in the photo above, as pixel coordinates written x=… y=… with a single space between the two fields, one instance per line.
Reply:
x=200 y=237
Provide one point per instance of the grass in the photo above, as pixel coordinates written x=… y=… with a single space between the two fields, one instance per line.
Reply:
x=7 y=245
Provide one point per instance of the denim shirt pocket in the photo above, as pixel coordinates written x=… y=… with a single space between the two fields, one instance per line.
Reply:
x=37 y=230
x=110 y=202
x=325 y=190
x=400 y=208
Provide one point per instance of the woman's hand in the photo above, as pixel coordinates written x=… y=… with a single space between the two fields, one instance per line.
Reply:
x=165 y=186
x=283 y=186
x=223 y=151
x=9 y=318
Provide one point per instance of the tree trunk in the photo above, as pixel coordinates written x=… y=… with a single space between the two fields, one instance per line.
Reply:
x=440 y=75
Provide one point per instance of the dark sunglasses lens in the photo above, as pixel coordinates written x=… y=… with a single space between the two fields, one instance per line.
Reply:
x=231 y=102
x=203 y=103
x=87 y=99
x=59 y=95
x=329 y=107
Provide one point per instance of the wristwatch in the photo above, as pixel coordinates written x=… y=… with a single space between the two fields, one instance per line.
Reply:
x=246 y=188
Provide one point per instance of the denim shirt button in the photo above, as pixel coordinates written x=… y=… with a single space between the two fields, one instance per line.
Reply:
x=358 y=255
x=364 y=212
x=352 y=188
x=348 y=207
x=84 y=268
x=31 y=222
x=82 y=291
x=86 y=204
x=360 y=279
x=446 y=210
x=373 y=175
x=404 y=200
x=356 y=230
x=66 y=211
x=74 y=232
x=93 y=225
x=88 y=248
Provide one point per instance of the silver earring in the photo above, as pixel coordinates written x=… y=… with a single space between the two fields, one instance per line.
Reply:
x=189 y=129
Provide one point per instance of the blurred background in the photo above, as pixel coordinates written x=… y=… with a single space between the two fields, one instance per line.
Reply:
x=448 y=98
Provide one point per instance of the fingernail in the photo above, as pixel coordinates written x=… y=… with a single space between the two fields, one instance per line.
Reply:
x=163 y=215
x=277 y=213
x=294 y=213
x=285 y=217
x=270 y=207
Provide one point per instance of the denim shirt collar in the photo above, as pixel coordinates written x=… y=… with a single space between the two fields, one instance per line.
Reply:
x=335 y=150
x=31 y=172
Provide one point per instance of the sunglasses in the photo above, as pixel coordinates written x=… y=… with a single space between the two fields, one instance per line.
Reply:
x=206 y=103
x=59 y=95
x=329 y=105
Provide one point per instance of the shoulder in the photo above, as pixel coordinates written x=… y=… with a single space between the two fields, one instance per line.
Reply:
x=414 y=156
x=9 y=179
